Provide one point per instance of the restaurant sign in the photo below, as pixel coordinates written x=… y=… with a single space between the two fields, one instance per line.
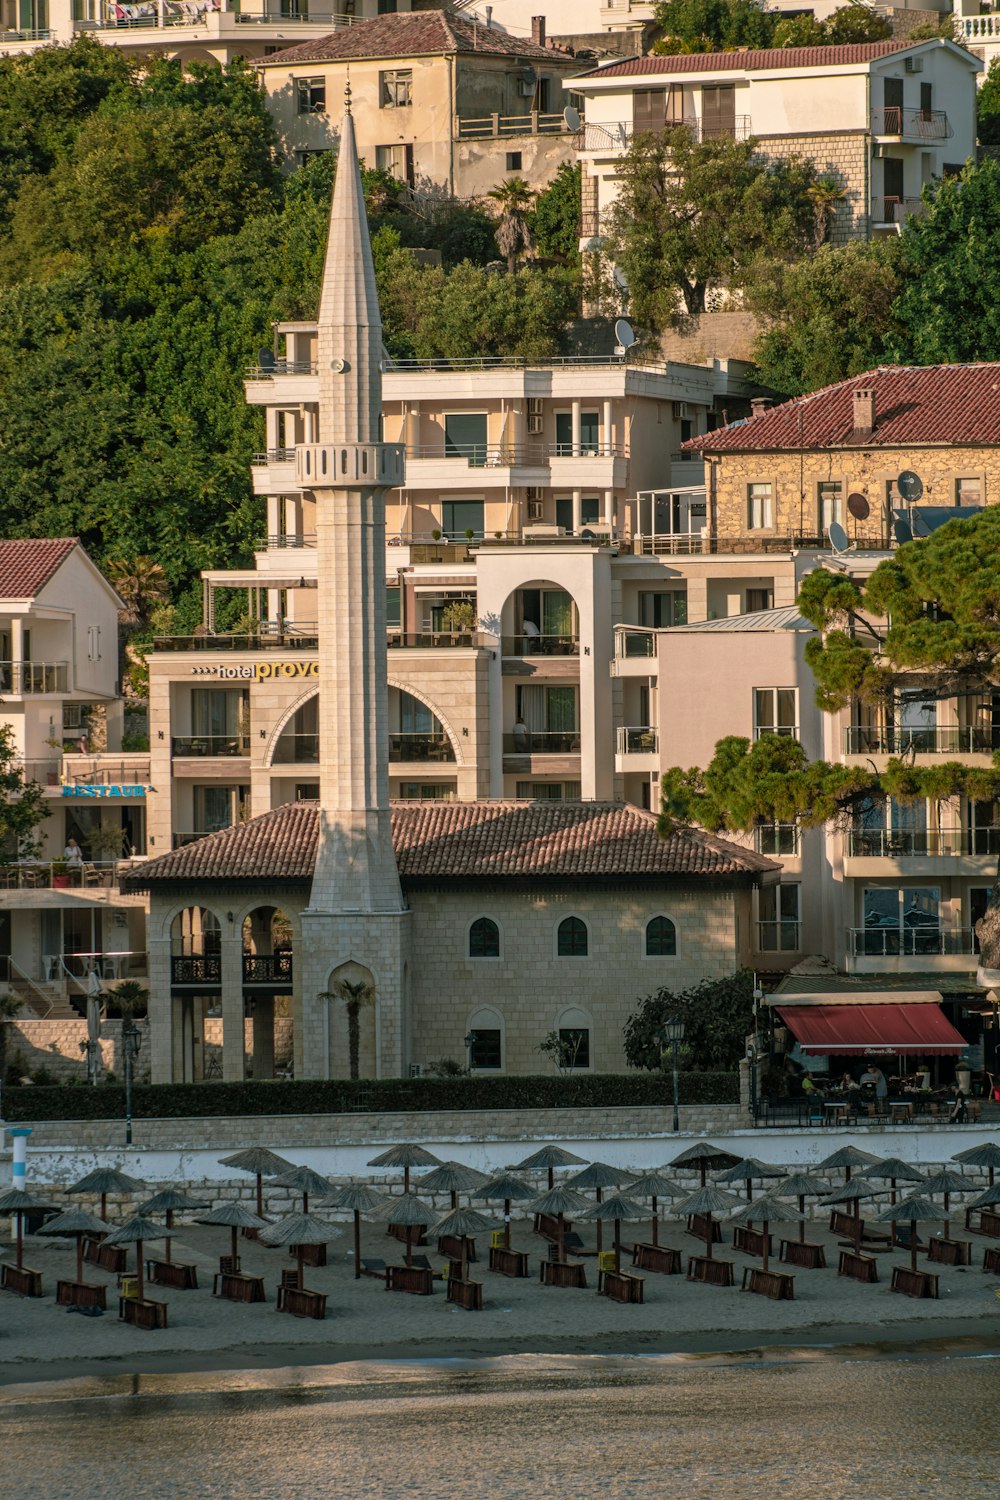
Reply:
x=258 y=671
x=112 y=789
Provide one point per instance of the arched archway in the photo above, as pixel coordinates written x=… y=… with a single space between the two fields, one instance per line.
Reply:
x=352 y=996
x=196 y=993
x=417 y=734
x=296 y=741
x=267 y=964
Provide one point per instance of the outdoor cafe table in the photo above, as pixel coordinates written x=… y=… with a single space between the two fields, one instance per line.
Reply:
x=238 y=1286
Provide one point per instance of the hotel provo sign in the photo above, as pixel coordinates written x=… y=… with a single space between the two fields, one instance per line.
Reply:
x=258 y=671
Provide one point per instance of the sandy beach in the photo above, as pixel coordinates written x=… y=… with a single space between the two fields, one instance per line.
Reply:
x=41 y=1341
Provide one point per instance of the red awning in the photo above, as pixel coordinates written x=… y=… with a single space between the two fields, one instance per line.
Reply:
x=872 y=1030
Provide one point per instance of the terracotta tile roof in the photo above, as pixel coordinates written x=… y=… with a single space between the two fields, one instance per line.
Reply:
x=751 y=61
x=465 y=840
x=410 y=34
x=949 y=404
x=26 y=566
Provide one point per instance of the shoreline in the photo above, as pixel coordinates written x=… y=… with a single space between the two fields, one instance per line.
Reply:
x=959 y=1336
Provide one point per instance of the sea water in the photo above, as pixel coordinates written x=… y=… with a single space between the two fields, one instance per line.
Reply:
x=805 y=1425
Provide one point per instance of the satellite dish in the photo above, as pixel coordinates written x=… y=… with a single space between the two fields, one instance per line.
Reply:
x=624 y=333
x=620 y=279
x=901 y=531
x=858 y=506
x=838 y=537
x=571 y=118
x=910 y=485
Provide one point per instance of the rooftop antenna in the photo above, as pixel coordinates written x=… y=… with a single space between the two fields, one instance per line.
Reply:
x=624 y=337
x=489 y=17
x=838 y=537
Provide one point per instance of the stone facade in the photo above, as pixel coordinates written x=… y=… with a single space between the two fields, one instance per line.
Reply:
x=843 y=154
x=56 y=1047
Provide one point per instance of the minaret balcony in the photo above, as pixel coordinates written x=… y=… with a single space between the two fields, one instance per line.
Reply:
x=349 y=465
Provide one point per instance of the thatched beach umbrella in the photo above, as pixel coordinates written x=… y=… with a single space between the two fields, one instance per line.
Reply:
x=454 y=1178
x=945 y=1182
x=305 y=1181
x=461 y=1223
x=556 y=1203
x=299 y=1230
x=262 y=1163
x=74 y=1223
x=412 y=1213
x=360 y=1199
x=765 y=1211
x=852 y=1193
x=614 y=1209
x=598 y=1176
x=235 y=1217
x=654 y=1185
x=704 y=1158
x=509 y=1188
x=746 y=1170
x=917 y=1208
x=800 y=1185
x=17 y=1202
x=406 y=1156
x=546 y=1159
x=892 y=1170
x=705 y=1202
x=988 y=1198
x=105 y=1180
x=135 y=1232
x=987 y=1155
x=168 y=1201
x=848 y=1157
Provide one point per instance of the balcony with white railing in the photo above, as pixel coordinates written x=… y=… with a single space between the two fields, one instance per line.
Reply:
x=608 y=138
x=635 y=652
x=637 y=748
x=958 y=851
x=19 y=678
x=219 y=18
x=896 y=210
x=900 y=740
x=488 y=127
x=895 y=123
x=977 y=28
x=895 y=948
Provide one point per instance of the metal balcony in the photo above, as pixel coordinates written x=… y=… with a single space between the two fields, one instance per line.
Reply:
x=540 y=645
x=893 y=740
x=640 y=739
x=903 y=124
x=197 y=968
x=210 y=744
x=20 y=677
x=410 y=746
x=908 y=942
x=267 y=968
x=542 y=742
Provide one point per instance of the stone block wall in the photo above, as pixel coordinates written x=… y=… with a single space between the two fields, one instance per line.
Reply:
x=55 y=1046
x=841 y=154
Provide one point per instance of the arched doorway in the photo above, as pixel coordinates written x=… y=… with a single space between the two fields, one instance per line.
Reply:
x=267 y=992
x=196 y=993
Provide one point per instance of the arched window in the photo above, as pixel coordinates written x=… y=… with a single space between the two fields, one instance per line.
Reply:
x=661 y=938
x=571 y=938
x=484 y=939
x=485 y=1041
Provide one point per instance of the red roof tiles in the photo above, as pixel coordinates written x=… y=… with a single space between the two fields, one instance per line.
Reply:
x=465 y=840
x=933 y=404
x=27 y=565
x=752 y=61
x=410 y=34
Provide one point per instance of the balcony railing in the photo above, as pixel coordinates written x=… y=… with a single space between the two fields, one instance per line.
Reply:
x=24 y=36
x=275 y=367
x=951 y=740
x=977 y=28
x=103 y=770
x=542 y=742
x=920 y=124
x=634 y=642
x=882 y=843
x=288 y=637
x=778 y=937
x=196 y=968
x=267 y=968
x=273 y=456
x=434 y=640
x=704 y=544
x=115 y=963
x=34 y=677
x=540 y=645
x=908 y=942
x=896 y=210
x=504 y=455
x=488 y=126
x=288 y=541
x=58 y=874
x=617 y=135
x=332 y=19
x=641 y=739
x=210 y=744
x=296 y=749
x=411 y=746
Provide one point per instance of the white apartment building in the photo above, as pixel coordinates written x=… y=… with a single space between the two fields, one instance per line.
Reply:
x=885 y=118
x=59 y=694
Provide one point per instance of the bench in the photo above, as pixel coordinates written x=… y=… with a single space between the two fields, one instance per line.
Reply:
x=804 y=1254
x=80 y=1294
x=416 y=1279
x=110 y=1258
x=914 y=1283
x=173 y=1273
x=776 y=1284
x=412 y=1234
x=509 y=1262
x=697 y=1224
x=950 y=1252
x=547 y=1225
x=656 y=1258
x=562 y=1273
x=751 y=1241
x=301 y=1302
x=849 y=1227
x=450 y=1246
x=621 y=1286
x=709 y=1270
x=859 y=1267
x=144 y=1314
x=989 y=1223
x=237 y=1286
x=20 y=1280
x=991 y=1260
x=467 y=1294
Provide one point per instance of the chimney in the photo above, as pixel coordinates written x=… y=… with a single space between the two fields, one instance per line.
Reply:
x=538 y=30
x=759 y=405
x=864 y=412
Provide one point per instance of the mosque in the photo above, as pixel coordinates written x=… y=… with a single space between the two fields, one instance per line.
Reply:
x=350 y=935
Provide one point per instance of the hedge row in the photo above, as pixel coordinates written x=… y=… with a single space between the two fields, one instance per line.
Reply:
x=307 y=1096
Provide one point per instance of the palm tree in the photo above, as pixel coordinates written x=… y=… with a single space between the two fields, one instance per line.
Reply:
x=824 y=195
x=513 y=236
x=141 y=584
x=355 y=994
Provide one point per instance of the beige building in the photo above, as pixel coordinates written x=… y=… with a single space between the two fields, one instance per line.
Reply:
x=444 y=103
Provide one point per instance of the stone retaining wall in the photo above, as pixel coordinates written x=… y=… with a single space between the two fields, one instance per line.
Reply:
x=56 y=1047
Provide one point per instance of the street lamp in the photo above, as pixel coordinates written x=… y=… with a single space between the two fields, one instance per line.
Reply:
x=131 y=1042
x=471 y=1038
x=673 y=1034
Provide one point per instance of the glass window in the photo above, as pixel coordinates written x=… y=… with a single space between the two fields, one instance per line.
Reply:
x=574 y=1047
x=549 y=791
x=590 y=511
x=590 y=429
x=776 y=838
x=760 y=507
x=396 y=88
x=310 y=96
x=397 y=160
x=299 y=740
x=830 y=495
x=485 y=1050
x=513 y=161
x=458 y=517
x=778 y=911
x=571 y=938
x=759 y=599
x=663 y=608
x=969 y=491
x=218 y=712
x=393 y=605
x=775 y=711
x=901 y=920
x=484 y=939
x=661 y=938
x=465 y=435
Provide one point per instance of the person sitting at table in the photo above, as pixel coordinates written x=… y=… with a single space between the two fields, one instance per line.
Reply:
x=808 y=1087
x=848 y=1082
x=72 y=853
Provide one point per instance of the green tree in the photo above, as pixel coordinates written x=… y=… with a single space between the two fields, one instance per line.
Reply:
x=356 y=996
x=717 y=1015
x=515 y=198
x=554 y=222
x=695 y=214
x=22 y=805
x=829 y=315
x=712 y=25
x=141 y=584
x=799 y=31
x=855 y=23
x=988 y=106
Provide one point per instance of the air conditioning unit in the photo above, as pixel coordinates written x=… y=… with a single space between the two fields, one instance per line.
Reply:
x=913 y=64
x=880 y=152
x=536 y=510
x=536 y=422
x=681 y=411
x=526 y=87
